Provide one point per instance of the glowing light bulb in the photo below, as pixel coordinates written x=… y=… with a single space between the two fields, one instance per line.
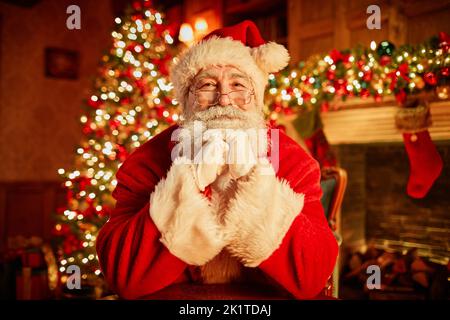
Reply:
x=186 y=33
x=201 y=26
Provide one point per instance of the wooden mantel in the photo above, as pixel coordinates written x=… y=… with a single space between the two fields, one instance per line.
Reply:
x=375 y=122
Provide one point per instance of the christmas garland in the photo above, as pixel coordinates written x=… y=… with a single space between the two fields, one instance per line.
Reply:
x=378 y=71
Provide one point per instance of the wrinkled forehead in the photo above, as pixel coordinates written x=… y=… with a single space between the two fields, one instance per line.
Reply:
x=219 y=72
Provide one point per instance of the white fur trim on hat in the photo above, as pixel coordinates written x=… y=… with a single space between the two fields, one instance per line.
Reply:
x=271 y=57
x=255 y=62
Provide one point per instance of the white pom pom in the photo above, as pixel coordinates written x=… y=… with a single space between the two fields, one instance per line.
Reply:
x=271 y=57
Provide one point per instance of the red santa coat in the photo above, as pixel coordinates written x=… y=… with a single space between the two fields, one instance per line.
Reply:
x=293 y=244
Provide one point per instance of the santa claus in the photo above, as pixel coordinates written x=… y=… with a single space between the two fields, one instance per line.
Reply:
x=212 y=200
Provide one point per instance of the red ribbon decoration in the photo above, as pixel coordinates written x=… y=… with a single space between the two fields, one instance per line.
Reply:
x=401 y=71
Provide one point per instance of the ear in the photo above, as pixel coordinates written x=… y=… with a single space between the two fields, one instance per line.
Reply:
x=271 y=56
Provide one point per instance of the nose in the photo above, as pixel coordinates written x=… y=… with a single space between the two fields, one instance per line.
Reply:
x=224 y=100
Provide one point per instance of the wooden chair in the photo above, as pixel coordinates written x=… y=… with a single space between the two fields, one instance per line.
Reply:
x=334 y=184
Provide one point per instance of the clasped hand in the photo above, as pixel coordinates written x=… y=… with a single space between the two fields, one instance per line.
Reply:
x=218 y=152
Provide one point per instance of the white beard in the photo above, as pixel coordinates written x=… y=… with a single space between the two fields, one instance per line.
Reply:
x=226 y=120
x=224 y=268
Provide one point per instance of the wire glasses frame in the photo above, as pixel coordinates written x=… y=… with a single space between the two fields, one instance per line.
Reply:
x=206 y=98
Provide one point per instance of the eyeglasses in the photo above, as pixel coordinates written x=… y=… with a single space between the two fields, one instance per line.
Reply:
x=206 y=98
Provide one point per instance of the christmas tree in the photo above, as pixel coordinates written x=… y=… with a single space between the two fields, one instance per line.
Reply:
x=131 y=102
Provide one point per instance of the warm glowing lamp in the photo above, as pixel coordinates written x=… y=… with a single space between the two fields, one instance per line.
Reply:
x=186 y=34
x=201 y=26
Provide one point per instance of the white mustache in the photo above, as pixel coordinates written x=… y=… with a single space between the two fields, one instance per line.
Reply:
x=217 y=112
x=227 y=117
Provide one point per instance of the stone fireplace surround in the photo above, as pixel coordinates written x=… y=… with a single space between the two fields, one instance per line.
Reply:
x=376 y=209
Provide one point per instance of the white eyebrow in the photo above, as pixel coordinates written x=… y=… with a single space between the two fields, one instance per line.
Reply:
x=238 y=75
x=205 y=74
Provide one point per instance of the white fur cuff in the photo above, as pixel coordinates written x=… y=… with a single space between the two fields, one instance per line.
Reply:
x=260 y=215
x=188 y=226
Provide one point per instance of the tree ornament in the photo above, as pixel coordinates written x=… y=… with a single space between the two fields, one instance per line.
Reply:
x=385 y=48
x=368 y=76
x=430 y=78
x=444 y=41
x=331 y=74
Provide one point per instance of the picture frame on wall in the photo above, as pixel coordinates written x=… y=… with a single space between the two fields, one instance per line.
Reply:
x=61 y=63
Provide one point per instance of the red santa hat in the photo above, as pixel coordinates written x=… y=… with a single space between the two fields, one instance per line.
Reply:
x=240 y=46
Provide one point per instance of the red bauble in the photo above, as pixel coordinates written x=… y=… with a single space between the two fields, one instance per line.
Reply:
x=167 y=101
x=403 y=68
x=127 y=73
x=122 y=153
x=331 y=74
x=445 y=72
x=100 y=133
x=430 y=78
x=364 y=93
x=114 y=124
x=385 y=60
x=84 y=182
x=306 y=96
x=337 y=56
x=94 y=104
x=444 y=41
x=163 y=64
x=137 y=5
x=70 y=244
x=360 y=64
x=288 y=111
x=378 y=97
x=368 y=76
x=125 y=101
x=87 y=128
x=277 y=107
x=341 y=87
x=159 y=111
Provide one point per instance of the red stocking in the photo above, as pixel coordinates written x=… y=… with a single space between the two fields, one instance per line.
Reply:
x=425 y=163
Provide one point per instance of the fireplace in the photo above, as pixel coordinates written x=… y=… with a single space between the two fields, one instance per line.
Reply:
x=379 y=221
x=376 y=208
